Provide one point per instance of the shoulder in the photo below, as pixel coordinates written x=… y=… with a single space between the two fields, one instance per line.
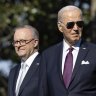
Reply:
x=12 y=72
x=53 y=51
x=38 y=57
x=90 y=45
x=54 y=48
x=13 y=69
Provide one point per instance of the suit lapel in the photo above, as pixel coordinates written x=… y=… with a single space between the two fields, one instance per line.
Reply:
x=30 y=72
x=81 y=55
x=59 y=58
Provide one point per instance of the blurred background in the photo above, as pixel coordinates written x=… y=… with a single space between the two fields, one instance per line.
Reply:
x=41 y=14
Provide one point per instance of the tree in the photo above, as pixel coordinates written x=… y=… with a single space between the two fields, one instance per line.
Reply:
x=42 y=14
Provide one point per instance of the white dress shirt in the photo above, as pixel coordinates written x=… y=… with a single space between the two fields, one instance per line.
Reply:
x=74 y=52
x=28 y=63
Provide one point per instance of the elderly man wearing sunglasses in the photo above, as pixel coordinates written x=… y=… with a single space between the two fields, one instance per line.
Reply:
x=69 y=67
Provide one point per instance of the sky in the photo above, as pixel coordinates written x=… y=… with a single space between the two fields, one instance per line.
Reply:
x=5 y=66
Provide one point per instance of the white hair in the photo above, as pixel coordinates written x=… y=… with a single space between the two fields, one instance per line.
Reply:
x=68 y=8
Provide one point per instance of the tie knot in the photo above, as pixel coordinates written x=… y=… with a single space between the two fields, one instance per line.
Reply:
x=71 y=49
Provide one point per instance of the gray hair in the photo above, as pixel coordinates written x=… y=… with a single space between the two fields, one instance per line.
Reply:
x=34 y=31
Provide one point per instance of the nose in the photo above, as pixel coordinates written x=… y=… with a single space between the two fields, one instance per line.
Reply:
x=75 y=27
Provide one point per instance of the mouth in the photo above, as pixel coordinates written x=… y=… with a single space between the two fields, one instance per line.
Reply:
x=75 y=34
x=21 y=49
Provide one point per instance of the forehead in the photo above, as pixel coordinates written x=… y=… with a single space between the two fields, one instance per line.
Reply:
x=23 y=33
x=71 y=16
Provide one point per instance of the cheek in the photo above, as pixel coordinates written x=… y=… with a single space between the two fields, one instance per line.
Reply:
x=67 y=33
x=16 y=49
x=81 y=31
x=30 y=48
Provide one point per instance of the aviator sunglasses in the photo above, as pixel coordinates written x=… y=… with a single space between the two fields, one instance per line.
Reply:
x=70 y=25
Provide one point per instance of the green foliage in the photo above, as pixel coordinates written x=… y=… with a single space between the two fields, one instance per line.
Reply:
x=41 y=14
x=36 y=13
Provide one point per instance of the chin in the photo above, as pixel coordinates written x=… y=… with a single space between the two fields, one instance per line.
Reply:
x=21 y=55
x=74 y=41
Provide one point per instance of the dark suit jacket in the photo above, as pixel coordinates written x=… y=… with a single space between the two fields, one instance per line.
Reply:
x=83 y=81
x=30 y=82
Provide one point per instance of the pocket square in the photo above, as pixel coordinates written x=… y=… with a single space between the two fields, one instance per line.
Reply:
x=85 y=62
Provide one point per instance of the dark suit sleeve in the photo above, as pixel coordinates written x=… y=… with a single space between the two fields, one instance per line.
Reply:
x=43 y=88
x=10 y=83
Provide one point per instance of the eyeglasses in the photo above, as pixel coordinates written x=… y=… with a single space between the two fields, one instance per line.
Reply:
x=21 y=42
x=70 y=25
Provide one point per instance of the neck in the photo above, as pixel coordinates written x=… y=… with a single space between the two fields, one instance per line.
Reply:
x=72 y=43
x=24 y=58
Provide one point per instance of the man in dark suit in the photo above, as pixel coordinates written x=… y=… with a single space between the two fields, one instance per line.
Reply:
x=23 y=81
x=62 y=74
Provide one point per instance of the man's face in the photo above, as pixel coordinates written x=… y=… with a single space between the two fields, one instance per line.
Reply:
x=28 y=43
x=71 y=26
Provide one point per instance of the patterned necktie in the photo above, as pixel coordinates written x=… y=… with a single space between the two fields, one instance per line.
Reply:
x=67 y=73
x=21 y=77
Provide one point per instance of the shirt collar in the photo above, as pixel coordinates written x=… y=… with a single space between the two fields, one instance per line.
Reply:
x=66 y=46
x=30 y=60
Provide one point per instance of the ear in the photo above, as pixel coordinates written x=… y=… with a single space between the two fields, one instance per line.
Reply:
x=60 y=26
x=36 y=44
